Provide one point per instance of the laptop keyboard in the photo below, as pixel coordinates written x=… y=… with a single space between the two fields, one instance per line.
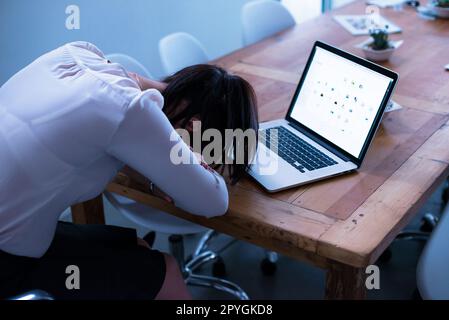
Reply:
x=297 y=152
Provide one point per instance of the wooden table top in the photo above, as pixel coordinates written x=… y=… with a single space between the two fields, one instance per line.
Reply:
x=352 y=218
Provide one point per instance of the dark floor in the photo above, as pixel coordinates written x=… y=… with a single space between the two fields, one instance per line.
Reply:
x=293 y=279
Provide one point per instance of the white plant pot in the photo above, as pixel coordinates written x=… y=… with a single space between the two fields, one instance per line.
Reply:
x=377 y=55
x=440 y=12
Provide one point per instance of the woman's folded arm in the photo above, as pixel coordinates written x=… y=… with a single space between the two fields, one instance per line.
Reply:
x=145 y=140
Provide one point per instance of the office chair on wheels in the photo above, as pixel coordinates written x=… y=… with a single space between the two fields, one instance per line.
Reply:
x=193 y=53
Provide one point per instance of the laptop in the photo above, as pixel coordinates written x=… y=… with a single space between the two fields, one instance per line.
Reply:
x=332 y=119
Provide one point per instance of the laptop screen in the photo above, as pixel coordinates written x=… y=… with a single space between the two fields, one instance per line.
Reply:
x=340 y=99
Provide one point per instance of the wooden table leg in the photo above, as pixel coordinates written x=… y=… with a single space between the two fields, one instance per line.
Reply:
x=345 y=282
x=89 y=212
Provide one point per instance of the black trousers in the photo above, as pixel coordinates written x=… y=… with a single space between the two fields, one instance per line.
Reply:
x=108 y=264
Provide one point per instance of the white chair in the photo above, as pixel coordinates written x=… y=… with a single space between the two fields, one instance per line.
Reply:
x=129 y=63
x=263 y=18
x=432 y=272
x=180 y=50
x=176 y=227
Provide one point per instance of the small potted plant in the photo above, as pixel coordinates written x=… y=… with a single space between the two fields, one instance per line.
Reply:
x=440 y=8
x=380 y=47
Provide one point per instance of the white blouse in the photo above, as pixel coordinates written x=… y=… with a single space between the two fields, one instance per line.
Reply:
x=68 y=122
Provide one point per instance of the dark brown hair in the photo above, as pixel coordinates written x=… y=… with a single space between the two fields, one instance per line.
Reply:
x=220 y=100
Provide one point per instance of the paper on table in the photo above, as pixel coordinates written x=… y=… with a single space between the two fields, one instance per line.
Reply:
x=362 y=24
x=385 y=3
x=392 y=106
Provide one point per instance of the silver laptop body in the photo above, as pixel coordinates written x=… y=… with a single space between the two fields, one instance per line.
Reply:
x=334 y=114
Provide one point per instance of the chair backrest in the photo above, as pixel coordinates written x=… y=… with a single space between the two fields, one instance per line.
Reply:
x=263 y=18
x=129 y=63
x=431 y=273
x=180 y=50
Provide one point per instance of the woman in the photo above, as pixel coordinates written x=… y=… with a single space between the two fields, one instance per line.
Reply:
x=68 y=122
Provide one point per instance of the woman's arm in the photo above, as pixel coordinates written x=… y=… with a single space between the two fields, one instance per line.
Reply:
x=143 y=142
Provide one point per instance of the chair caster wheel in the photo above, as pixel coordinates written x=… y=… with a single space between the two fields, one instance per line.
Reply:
x=428 y=222
x=268 y=268
x=150 y=237
x=386 y=256
x=219 y=268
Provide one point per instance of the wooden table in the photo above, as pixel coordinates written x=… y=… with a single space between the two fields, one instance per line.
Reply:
x=342 y=224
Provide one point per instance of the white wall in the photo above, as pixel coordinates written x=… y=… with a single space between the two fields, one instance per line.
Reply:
x=29 y=28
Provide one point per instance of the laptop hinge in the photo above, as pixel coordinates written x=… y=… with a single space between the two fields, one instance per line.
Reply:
x=321 y=143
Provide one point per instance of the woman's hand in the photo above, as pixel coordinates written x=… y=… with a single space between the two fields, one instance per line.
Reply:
x=145 y=83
